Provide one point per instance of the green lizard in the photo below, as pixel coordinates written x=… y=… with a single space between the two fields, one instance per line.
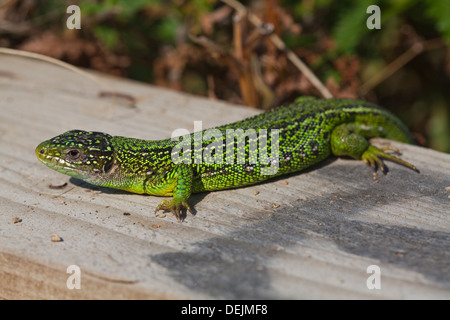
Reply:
x=307 y=132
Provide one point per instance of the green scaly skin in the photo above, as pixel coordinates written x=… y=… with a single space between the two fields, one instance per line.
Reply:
x=310 y=130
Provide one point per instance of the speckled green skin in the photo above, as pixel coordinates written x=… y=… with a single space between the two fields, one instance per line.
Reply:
x=310 y=130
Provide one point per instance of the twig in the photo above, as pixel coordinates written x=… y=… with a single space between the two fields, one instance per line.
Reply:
x=282 y=47
x=53 y=61
x=62 y=64
x=416 y=49
x=245 y=76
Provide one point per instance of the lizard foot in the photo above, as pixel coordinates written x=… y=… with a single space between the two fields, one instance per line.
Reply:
x=178 y=208
x=372 y=157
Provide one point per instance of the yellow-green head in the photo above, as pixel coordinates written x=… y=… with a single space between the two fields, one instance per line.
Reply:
x=77 y=153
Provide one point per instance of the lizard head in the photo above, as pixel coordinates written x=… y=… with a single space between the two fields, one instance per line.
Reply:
x=77 y=153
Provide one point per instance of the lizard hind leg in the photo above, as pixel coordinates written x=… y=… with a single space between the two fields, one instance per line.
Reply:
x=346 y=140
x=373 y=155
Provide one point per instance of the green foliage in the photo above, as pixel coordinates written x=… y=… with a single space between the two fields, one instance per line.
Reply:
x=167 y=28
x=351 y=26
x=126 y=8
x=305 y=8
x=439 y=127
x=157 y=19
x=130 y=8
x=107 y=35
x=347 y=19
x=439 y=11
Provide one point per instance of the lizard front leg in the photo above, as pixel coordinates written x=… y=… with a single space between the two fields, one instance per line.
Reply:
x=183 y=176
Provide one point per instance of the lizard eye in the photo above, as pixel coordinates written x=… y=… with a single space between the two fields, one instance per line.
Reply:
x=74 y=154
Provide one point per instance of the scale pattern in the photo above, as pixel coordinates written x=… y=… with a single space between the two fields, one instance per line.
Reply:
x=229 y=156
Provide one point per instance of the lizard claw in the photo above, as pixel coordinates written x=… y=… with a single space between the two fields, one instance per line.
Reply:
x=372 y=156
x=178 y=208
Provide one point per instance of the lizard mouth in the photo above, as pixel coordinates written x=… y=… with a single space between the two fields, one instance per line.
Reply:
x=45 y=153
x=74 y=161
x=51 y=157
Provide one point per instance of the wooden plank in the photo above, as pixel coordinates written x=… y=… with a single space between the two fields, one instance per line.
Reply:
x=310 y=235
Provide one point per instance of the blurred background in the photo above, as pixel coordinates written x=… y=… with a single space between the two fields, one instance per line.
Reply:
x=217 y=49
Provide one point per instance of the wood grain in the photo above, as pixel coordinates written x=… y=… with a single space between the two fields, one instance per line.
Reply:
x=310 y=235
